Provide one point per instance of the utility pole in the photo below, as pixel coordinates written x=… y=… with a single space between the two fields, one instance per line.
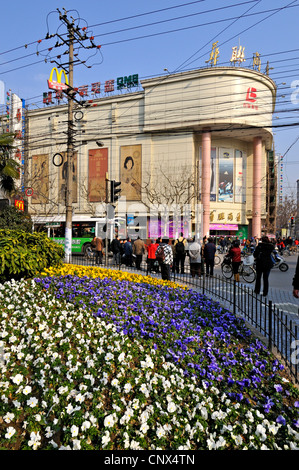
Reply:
x=73 y=35
x=70 y=151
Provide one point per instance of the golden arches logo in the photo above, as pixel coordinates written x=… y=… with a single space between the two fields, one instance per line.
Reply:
x=56 y=84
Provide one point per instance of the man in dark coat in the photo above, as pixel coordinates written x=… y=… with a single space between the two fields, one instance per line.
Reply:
x=209 y=255
x=262 y=255
x=116 y=249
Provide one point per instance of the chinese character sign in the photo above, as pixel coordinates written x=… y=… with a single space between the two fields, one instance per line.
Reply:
x=238 y=55
x=214 y=54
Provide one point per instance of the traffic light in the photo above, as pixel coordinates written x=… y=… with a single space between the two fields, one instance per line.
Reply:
x=114 y=190
x=292 y=220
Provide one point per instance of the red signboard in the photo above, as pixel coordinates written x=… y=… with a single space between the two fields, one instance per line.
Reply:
x=19 y=204
x=56 y=84
x=98 y=166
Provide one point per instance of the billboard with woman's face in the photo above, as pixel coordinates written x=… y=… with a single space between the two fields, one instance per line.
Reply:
x=130 y=172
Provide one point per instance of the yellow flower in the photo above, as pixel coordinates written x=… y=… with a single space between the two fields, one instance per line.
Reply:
x=95 y=272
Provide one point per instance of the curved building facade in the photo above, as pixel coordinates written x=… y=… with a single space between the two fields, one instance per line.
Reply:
x=199 y=138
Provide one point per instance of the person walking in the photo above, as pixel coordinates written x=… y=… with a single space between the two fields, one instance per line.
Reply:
x=262 y=255
x=138 y=251
x=235 y=254
x=209 y=255
x=194 y=253
x=165 y=258
x=174 y=258
x=116 y=250
x=180 y=253
x=296 y=281
x=151 y=256
x=128 y=252
x=97 y=243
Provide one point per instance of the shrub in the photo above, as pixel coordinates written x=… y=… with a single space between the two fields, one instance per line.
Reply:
x=23 y=254
x=14 y=219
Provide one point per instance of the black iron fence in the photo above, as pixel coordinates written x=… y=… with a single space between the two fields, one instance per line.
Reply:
x=279 y=332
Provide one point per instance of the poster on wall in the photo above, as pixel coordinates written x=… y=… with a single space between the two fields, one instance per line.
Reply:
x=213 y=175
x=130 y=172
x=40 y=179
x=226 y=175
x=62 y=178
x=97 y=168
x=240 y=176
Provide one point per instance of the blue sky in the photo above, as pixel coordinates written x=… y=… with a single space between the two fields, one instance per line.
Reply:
x=146 y=37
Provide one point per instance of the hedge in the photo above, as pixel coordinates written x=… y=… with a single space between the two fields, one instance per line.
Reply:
x=23 y=254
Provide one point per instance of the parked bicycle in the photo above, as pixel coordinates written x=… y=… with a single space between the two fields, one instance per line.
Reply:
x=247 y=272
x=217 y=260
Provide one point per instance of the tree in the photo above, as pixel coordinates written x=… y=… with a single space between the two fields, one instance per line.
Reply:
x=285 y=211
x=9 y=168
x=170 y=186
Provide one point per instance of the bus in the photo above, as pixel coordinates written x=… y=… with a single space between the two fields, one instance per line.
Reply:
x=83 y=230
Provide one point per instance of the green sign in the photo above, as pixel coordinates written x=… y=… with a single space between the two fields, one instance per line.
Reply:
x=242 y=232
x=127 y=82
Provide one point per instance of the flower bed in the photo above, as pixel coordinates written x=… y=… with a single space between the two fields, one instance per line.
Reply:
x=130 y=363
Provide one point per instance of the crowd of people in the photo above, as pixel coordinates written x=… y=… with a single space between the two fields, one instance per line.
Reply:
x=167 y=257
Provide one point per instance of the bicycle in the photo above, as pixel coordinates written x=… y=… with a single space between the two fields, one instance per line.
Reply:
x=217 y=260
x=89 y=253
x=247 y=272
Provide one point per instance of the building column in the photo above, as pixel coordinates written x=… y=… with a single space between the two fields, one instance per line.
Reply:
x=256 y=187
x=206 y=181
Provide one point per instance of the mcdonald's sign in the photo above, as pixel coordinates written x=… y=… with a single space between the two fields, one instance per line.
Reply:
x=56 y=84
x=19 y=204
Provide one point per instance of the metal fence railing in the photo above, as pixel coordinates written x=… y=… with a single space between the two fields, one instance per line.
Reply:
x=277 y=328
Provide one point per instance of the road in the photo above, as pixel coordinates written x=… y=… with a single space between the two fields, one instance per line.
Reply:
x=281 y=290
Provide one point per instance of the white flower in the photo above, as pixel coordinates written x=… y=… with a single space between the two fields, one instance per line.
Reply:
x=261 y=432
x=74 y=430
x=10 y=431
x=35 y=440
x=69 y=408
x=8 y=417
x=115 y=382
x=32 y=402
x=127 y=388
x=135 y=445
x=160 y=432
x=17 y=379
x=76 y=444
x=121 y=357
x=105 y=439
x=110 y=420
x=79 y=398
x=221 y=442
x=238 y=440
x=27 y=390
x=109 y=356
x=85 y=425
x=49 y=432
x=144 y=389
x=171 y=407
x=144 y=428
x=147 y=363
